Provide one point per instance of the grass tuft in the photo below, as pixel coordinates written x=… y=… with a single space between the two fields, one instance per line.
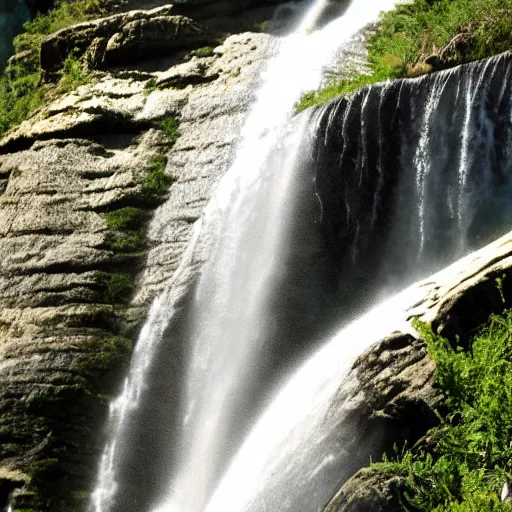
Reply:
x=22 y=90
x=171 y=128
x=156 y=181
x=126 y=218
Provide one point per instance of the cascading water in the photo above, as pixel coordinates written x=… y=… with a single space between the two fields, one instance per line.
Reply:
x=316 y=218
x=229 y=320
x=398 y=201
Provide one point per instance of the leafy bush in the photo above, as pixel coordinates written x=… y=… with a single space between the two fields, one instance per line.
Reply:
x=464 y=466
x=22 y=90
x=462 y=30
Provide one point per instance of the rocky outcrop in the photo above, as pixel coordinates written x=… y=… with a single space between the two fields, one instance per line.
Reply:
x=368 y=490
x=124 y=37
x=77 y=192
x=396 y=391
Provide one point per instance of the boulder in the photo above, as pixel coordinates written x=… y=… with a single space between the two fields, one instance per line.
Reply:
x=368 y=490
x=129 y=36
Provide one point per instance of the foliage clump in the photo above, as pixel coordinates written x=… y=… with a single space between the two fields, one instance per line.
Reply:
x=64 y=14
x=115 y=287
x=22 y=89
x=204 y=51
x=468 y=458
x=453 y=31
x=128 y=217
x=156 y=181
x=171 y=128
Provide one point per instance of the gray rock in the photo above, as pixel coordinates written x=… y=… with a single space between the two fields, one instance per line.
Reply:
x=366 y=491
x=81 y=156
x=130 y=36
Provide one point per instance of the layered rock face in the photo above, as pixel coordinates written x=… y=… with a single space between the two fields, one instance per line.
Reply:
x=68 y=316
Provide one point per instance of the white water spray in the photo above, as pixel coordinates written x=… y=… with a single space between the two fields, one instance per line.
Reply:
x=254 y=208
x=297 y=442
x=225 y=342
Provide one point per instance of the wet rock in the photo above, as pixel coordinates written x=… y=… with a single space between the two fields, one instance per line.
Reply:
x=397 y=393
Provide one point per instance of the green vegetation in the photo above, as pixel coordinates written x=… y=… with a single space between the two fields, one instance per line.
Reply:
x=205 y=51
x=171 y=128
x=156 y=181
x=467 y=459
x=126 y=218
x=104 y=355
x=115 y=287
x=65 y=14
x=19 y=97
x=127 y=229
x=43 y=470
x=128 y=242
x=454 y=31
x=73 y=74
x=335 y=85
x=262 y=26
x=22 y=89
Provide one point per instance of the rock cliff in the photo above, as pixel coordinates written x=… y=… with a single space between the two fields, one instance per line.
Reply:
x=81 y=260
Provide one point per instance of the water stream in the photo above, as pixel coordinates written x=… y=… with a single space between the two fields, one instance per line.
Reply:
x=319 y=217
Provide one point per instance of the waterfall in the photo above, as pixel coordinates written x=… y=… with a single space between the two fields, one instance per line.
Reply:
x=317 y=219
x=230 y=335
x=428 y=183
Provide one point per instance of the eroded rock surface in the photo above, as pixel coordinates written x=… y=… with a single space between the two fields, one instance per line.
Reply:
x=124 y=37
x=68 y=317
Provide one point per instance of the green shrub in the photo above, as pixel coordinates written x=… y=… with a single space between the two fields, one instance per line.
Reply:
x=469 y=457
x=412 y=32
x=126 y=242
x=21 y=88
x=156 y=181
x=19 y=98
x=64 y=14
x=115 y=287
x=126 y=218
x=73 y=74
